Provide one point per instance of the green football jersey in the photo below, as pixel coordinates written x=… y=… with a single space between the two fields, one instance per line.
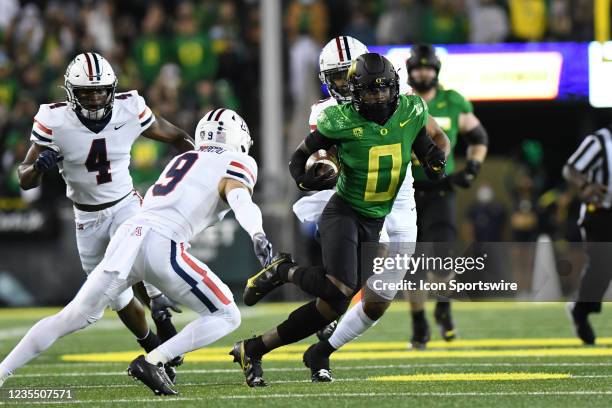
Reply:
x=373 y=158
x=445 y=108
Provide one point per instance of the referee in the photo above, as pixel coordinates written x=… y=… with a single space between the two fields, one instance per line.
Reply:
x=588 y=172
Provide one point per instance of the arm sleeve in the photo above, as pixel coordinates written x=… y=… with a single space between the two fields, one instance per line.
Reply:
x=145 y=114
x=478 y=135
x=586 y=155
x=313 y=142
x=246 y=211
x=42 y=130
x=243 y=169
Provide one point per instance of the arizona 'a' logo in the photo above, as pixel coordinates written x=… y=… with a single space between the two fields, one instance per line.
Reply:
x=358 y=132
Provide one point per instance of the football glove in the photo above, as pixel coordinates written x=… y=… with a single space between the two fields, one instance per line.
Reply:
x=160 y=306
x=262 y=248
x=310 y=181
x=46 y=160
x=434 y=164
x=466 y=177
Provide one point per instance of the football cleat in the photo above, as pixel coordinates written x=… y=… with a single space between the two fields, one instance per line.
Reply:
x=420 y=334
x=251 y=366
x=318 y=364
x=326 y=332
x=444 y=320
x=265 y=281
x=170 y=372
x=582 y=326
x=151 y=375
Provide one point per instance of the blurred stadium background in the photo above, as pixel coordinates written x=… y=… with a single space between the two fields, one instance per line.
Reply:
x=260 y=58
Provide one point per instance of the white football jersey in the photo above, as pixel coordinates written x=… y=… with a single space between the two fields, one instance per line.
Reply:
x=317 y=108
x=95 y=166
x=185 y=200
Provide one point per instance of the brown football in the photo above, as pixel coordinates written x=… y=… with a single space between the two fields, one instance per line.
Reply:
x=327 y=159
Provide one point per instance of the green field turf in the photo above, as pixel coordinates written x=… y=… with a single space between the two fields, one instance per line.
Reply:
x=481 y=369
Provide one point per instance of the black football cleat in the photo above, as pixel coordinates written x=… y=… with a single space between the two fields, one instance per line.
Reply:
x=151 y=375
x=265 y=281
x=251 y=366
x=171 y=373
x=318 y=364
x=420 y=334
x=580 y=320
x=444 y=320
x=326 y=332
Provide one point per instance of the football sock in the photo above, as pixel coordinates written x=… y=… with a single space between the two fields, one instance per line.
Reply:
x=165 y=329
x=418 y=316
x=255 y=347
x=301 y=323
x=354 y=323
x=149 y=342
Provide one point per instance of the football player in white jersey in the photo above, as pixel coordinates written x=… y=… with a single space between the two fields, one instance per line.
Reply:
x=399 y=231
x=196 y=190
x=89 y=137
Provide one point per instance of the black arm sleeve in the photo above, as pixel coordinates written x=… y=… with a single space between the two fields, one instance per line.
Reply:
x=478 y=135
x=422 y=145
x=313 y=142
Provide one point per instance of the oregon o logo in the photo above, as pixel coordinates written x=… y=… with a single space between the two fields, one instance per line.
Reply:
x=384 y=131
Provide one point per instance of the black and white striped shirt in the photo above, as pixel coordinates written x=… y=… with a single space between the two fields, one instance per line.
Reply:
x=593 y=158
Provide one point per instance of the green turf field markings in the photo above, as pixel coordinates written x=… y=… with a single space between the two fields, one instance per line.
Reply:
x=213 y=353
x=471 y=377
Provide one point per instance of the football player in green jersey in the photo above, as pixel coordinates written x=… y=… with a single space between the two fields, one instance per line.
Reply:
x=375 y=135
x=435 y=199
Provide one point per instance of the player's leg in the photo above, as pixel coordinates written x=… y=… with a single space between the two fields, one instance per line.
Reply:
x=334 y=284
x=93 y=236
x=595 y=277
x=134 y=316
x=185 y=278
x=86 y=308
x=399 y=238
x=436 y=225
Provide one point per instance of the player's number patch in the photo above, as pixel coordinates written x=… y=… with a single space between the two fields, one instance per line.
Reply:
x=175 y=174
x=97 y=161
x=374 y=156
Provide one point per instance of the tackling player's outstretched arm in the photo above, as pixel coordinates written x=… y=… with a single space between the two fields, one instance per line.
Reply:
x=166 y=132
x=238 y=197
x=308 y=180
x=38 y=160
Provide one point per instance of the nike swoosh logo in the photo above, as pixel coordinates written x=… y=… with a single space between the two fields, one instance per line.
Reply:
x=120 y=126
x=402 y=124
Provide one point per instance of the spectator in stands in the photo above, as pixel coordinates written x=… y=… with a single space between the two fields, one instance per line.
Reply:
x=528 y=19
x=150 y=48
x=192 y=47
x=488 y=21
x=445 y=22
x=400 y=23
x=307 y=17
